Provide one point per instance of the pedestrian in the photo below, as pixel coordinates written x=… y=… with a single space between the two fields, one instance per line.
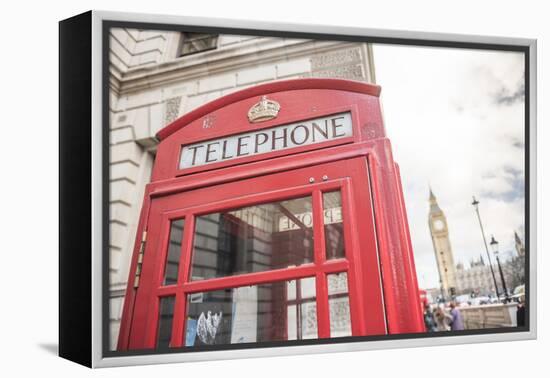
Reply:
x=457 y=323
x=429 y=320
x=520 y=314
x=442 y=319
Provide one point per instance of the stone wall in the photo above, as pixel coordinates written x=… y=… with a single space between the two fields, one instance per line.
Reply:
x=489 y=316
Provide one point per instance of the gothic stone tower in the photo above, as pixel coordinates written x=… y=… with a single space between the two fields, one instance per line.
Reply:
x=442 y=248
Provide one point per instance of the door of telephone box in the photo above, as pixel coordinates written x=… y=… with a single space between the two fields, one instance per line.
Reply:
x=285 y=256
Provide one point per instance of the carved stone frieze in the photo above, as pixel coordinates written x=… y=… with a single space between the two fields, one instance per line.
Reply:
x=172 y=109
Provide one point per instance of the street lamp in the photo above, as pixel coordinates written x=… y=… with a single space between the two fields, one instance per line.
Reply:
x=494 y=247
x=475 y=204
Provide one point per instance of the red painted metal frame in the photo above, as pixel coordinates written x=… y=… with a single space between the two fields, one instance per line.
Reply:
x=396 y=259
x=406 y=246
x=383 y=291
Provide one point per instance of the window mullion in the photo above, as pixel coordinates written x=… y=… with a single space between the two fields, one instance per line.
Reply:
x=323 y=320
x=249 y=279
x=318 y=229
x=178 y=328
x=186 y=250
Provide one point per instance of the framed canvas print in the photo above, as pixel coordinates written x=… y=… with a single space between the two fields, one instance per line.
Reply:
x=232 y=189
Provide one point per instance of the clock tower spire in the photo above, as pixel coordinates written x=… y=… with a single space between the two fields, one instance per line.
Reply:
x=442 y=248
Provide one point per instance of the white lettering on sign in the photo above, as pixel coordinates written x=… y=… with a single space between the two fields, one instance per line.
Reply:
x=331 y=216
x=283 y=137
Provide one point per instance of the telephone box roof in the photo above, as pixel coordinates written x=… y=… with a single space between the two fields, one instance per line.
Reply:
x=262 y=89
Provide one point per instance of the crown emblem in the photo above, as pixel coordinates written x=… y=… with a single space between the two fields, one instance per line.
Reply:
x=263 y=110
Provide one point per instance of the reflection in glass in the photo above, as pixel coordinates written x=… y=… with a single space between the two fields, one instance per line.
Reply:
x=166 y=315
x=338 y=303
x=334 y=231
x=174 y=252
x=268 y=312
x=253 y=239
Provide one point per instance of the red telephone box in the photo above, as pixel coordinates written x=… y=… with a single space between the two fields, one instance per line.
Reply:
x=274 y=213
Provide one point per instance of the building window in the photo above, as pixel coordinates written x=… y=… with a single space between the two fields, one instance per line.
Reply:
x=193 y=43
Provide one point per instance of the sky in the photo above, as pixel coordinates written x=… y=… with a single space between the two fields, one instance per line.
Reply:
x=455 y=118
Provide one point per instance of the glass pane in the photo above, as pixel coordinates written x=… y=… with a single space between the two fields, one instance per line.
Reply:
x=252 y=314
x=334 y=230
x=166 y=315
x=253 y=239
x=338 y=303
x=174 y=253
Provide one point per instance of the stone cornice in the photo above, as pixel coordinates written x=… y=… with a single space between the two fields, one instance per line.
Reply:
x=115 y=77
x=228 y=59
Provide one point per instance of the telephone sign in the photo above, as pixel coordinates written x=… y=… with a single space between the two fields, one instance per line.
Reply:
x=283 y=137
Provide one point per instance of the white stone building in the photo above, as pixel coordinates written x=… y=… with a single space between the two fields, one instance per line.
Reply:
x=477 y=278
x=157 y=76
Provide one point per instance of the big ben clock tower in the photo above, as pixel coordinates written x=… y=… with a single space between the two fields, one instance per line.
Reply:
x=442 y=248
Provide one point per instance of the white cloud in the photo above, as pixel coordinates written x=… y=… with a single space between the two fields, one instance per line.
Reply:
x=449 y=130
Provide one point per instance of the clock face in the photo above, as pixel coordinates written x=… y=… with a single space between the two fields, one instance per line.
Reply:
x=439 y=225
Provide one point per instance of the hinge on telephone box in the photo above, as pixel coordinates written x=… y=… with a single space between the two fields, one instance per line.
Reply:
x=140 y=259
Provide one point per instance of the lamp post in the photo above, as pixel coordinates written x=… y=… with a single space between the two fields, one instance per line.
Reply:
x=475 y=203
x=441 y=291
x=494 y=247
